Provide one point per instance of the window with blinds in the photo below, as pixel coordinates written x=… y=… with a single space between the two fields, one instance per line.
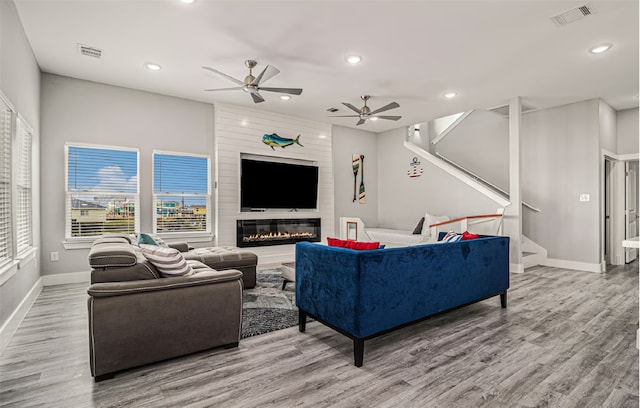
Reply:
x=24 y=222
x=102 y=191
x=6 y=250
x=181 y=194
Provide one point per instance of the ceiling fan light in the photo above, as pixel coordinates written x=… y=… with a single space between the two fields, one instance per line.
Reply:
x=599 y=49
x=152 y=66
x=374 y=118
x=354 y=59
x=285 y=97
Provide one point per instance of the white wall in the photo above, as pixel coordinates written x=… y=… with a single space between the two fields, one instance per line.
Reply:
x=240 y=130
x=627 y=126
x=607 y=127
x=346 y=143
x=560 y=160
x=78 y=111
x=403 y=200
x=20 y=83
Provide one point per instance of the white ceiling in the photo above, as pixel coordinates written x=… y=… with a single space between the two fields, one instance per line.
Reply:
x=413 y=51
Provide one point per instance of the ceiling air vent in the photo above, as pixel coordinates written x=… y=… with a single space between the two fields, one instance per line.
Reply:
x=89 y=51
x=504 y=109
x=333 y=110
x=574 y=14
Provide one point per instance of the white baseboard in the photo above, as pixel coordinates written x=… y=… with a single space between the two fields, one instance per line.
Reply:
x=574 y=265
x=12 y=323
x=65 y=278
x=516 y=268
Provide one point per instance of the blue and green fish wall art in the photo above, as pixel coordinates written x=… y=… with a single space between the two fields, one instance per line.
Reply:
x=274 y=140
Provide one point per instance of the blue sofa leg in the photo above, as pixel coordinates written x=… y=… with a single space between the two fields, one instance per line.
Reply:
x=503 y=299
x=358 y=352
x=302 y=320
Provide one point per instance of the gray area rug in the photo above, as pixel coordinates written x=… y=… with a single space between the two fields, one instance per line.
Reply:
x=267 y=307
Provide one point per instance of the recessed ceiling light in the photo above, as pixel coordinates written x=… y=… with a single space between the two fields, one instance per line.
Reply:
x=599 y=49
x=152 y=66
x=450 y=95
x=354 y=59
x=285 y=97
x=374 y=118
x=187 y=1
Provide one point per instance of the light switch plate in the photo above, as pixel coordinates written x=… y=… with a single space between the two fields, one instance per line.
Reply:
x=584 y=197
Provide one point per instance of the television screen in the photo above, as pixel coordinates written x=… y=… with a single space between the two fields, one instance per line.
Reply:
x=277 y=185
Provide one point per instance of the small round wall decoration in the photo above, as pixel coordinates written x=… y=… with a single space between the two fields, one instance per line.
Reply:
x=415 y=170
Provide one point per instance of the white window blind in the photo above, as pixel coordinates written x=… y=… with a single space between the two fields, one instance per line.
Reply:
x=181 y=193
x=102 y=191
x=6 y=251
x=24 y=223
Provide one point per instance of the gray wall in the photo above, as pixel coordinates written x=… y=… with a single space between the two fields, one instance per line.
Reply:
x=480 y=143
x=627 y=125
x=20 y=82
x=403 y=200
x=560 y=160
x=87 y=112
x=347 y=142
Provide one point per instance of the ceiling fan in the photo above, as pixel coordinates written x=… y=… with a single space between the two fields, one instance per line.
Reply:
x=365 y=112
x=251 y=84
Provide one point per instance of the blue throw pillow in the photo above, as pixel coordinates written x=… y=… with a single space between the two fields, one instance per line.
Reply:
x=146 y=239
x=451 y=237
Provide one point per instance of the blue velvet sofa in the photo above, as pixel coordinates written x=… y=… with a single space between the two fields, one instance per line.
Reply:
x=363 y=294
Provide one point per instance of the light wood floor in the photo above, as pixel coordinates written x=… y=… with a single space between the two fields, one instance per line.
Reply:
x=566 y=340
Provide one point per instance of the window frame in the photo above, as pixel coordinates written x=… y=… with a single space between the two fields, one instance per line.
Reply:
x=193 y=236
x=23 y=129
x=8 y=261
x=71 y=242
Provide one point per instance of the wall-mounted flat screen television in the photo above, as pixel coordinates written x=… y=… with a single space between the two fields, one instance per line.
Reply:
x=273 y=184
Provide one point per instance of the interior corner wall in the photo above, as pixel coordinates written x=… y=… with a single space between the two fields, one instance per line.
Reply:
x=561 y=160
x=607 y=127
x=347 y=142
x=77 y=111
x=240 y=130
x=402 y=200
x=20 y=82
x=627 y=131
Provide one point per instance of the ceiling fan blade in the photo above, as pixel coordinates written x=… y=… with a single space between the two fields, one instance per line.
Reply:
x=350 y=106
x=292 y=91
x=237 y=88
x=360 y=122
x=267 y=73
x=345 y=116
x=389 y=117
x=392 y=105
x=230 y=78
x=257 y=98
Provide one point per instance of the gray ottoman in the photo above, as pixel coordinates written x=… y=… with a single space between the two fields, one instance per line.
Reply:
x=224 y=257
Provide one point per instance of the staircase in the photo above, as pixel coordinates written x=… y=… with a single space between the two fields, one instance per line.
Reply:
x=532 y=253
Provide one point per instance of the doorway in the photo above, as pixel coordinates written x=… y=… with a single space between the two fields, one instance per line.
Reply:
x=631 y=207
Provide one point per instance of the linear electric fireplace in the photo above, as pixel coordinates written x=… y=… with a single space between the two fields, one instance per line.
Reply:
x=267 y=232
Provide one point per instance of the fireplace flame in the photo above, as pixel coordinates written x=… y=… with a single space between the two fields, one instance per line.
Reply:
x=277 y=236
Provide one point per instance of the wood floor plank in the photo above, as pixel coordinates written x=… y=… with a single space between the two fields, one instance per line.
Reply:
x=567 y=339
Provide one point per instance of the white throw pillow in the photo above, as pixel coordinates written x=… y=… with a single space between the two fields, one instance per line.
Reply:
x=431 y=219
x=168 y=261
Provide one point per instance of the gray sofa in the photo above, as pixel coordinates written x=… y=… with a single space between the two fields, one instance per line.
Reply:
x=137 y=317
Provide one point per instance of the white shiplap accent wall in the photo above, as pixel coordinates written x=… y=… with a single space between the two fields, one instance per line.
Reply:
x=240 y=130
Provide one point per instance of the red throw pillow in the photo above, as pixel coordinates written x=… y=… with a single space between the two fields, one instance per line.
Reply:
x=335 y=242
x=363 y=245
x=467 y=236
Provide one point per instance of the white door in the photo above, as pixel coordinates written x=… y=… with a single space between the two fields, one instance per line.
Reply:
x=631 y=208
